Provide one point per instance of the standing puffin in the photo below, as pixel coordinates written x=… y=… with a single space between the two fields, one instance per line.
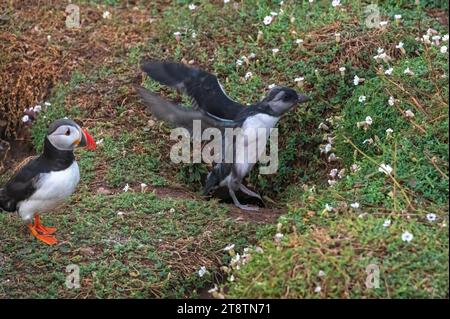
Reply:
x=42 y=183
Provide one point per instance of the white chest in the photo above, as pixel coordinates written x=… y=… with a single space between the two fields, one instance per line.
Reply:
x=256 y=130
x=51 y=190
x=260 y=121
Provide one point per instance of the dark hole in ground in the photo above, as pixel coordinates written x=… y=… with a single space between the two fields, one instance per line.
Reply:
x=14 y=151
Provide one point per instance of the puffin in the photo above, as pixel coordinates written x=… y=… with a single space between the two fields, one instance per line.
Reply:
x=42 y=183
x=214 y=108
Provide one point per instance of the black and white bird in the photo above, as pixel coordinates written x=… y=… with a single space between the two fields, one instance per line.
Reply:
x=214 y=108
x=42 y=183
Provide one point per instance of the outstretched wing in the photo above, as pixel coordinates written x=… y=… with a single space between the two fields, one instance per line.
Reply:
x=203 y=87
x=178 y=116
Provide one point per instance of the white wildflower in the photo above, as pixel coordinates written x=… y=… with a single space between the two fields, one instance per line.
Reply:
x=391 y=101
x=25 y=118
x=356 y=80
x=385 y=168
x=409 y=113
x=248 y=75
x=267 y=20
x=126 y=188
x=333 y=172
x=399 y=45
x=321 y=273
x=271 y=86
x=273 y=13
x=279 y=236
x=408 y=71
x=143 y=187
x=106 y=15
x=397 y=16
x=177 y=35
x=369 y=120
x=328 y=207
x=202 y=271
x=336 y=3
x=37 y=108
x=444 y=49
x=362 y=99
x=407 y=236
x=192 y=6
x=229 y=247
x=445 y=38
x=388 y=71
x=332 y=182
x=425 y=39
x=383 y=23
x=431 y=217
x=318 y=289
x=239 y=62
x=355 y=205
x=387 y=223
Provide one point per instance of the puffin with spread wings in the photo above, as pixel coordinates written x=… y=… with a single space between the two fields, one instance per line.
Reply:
x=213 y=107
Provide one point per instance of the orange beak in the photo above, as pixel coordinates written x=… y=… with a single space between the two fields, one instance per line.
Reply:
x=90 y=143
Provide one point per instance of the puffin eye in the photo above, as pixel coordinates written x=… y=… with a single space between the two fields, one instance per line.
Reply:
x=68 y=132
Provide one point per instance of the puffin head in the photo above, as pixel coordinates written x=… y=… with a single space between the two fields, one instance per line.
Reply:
x=66 y=135
x=282 y=99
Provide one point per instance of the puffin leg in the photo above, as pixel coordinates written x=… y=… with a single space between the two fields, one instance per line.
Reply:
x=239 y=205
x=48 y=239
x=41 y=228
x=249 y=192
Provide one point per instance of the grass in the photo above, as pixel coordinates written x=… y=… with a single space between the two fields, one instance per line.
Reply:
x=155 y=246
x=154 y=249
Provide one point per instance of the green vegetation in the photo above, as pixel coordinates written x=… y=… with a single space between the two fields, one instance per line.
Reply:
x=153 y=243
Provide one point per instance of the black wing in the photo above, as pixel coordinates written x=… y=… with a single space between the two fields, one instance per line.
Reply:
x=202 y=86
x=178 y=116
x=21 y=185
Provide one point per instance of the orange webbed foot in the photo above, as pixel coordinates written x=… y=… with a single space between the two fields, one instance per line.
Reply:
x=41 y=228
x=48 y=239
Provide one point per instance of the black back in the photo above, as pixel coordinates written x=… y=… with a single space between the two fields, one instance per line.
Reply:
x=23 y=184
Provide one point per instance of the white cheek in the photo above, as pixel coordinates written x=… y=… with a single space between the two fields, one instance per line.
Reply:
x=76 y=136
